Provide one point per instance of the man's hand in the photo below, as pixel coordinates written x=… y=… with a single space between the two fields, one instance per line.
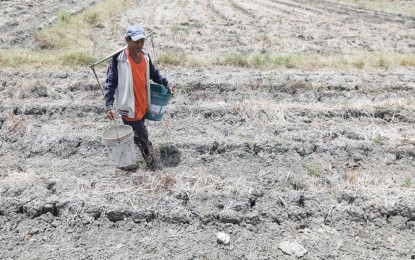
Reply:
x=111 y=114
x=171 y=89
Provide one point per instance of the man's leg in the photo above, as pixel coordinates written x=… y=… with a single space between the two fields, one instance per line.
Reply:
x=142 y=141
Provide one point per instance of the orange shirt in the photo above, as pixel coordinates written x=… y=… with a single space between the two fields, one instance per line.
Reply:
x=140 y=88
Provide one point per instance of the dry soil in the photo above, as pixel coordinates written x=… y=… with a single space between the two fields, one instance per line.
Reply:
x=320 y=157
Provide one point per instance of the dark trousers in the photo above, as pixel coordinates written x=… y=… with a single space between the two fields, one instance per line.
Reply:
x=141 y=137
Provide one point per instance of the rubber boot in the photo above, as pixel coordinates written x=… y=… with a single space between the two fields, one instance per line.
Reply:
x=152 y=160
x=152 y=163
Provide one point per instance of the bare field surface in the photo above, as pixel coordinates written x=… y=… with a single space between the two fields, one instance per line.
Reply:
x=321 y=158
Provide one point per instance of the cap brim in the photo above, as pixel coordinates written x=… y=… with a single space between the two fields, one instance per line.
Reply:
x=137 y=37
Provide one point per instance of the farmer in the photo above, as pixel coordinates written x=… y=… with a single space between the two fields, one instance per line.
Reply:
x=128 y=83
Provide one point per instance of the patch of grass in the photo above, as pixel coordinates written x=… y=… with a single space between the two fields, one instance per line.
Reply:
x=258 y=61
x=61 y=51
x=407 y=182
x=367 y=61
x=383 y=63
x=14 y=58
x=73 y=32
x=92 y=17
x=372 y=61
x=378 y=139
x=234 y=190
x=266 y=60
x=313 y=170
x=360 y=63
x=175 y=29
x=64 y=17
x=183 y=3
x=39 y=89
x=26 y=59
x=68 y=42
x=77 y=58
x=56 y=40
x=196 y=24
x=408 y=61
x=172 y=58
x=245 y=137
x=365 y=147
x=237 y=60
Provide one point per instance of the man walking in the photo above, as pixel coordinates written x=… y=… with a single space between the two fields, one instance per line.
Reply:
x=128 y=85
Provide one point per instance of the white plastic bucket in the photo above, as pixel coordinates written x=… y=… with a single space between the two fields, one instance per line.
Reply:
x=120 y=142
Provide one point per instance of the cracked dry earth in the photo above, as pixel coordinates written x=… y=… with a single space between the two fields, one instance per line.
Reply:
x=321 y=158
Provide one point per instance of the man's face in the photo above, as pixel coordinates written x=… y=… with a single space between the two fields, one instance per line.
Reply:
x=136 y=45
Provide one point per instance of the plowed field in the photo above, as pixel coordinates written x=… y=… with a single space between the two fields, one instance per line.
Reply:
x=266 y=152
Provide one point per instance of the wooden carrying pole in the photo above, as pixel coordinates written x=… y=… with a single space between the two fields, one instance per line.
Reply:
x=107 y=57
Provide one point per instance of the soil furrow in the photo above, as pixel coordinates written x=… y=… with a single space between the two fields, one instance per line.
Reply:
x=316 y=156
x=296 y=7
x=364 y=14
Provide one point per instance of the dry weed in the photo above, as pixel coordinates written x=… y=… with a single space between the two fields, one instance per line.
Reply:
x=361 y=179
x=14 y=123
x=167 y=181
x=5 y=173
x=196 y=182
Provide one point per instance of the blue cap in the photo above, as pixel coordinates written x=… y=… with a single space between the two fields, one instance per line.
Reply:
x=136 y=32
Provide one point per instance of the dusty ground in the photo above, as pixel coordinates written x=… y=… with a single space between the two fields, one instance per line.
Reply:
x=323 y=158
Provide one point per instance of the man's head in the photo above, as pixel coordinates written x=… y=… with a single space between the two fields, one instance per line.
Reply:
x=135 y=38
x=135 y=32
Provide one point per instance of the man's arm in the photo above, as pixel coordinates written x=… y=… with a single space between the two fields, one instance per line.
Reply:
x=111 y=82
x=109 y=88
x=157 y=77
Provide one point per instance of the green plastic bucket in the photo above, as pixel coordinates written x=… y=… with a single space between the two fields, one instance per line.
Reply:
x=160 y=97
